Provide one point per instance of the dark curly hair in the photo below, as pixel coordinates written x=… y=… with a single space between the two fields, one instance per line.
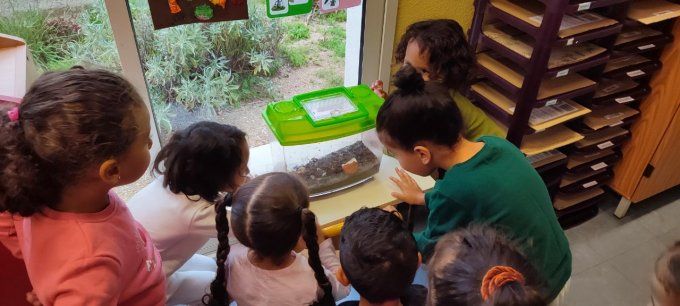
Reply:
x=202 y=159
x=462 y=259
x=451 y=58
x=268 y=215
x=68 y=121
x=378 y=254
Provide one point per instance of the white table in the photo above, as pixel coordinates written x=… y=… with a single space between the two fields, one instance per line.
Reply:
x=332 y=209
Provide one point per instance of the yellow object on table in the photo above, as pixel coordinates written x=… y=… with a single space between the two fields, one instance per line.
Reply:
x=331 y=210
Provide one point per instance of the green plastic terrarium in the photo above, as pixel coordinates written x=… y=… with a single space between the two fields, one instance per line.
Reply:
x=327 y=137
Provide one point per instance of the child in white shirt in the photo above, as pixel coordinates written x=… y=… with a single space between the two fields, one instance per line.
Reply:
x=269 y=216
x=178 y=208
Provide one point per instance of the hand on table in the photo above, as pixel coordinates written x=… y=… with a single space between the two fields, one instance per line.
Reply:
x=409 y=191
x=377 y=88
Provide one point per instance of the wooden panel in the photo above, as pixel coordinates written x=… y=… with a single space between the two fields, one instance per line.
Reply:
x=666 y=167
x=657 y=111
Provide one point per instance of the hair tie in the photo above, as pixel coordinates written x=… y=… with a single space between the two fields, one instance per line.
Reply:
x=497 y=277
x=13 y=114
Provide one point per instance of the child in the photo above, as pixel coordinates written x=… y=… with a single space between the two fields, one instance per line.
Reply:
x=488 y=181
x=268 y=216
x=77 y=135
x=480 y=266
x=379 y=257
x=178 y=208
x=439 y=51
x=666 y=281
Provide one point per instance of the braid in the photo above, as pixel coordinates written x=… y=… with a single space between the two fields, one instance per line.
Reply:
x=309 y=235
x=218 y=295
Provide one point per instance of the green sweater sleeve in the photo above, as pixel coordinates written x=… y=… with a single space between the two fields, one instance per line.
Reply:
x=444 y=216
x=477 y=123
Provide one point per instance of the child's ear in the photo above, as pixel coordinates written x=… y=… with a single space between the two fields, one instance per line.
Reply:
x=109 y=172
x=424 y=154
x=342 y=278
x=420 y=259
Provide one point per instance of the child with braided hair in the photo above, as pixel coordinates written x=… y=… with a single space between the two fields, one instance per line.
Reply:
x=478 y=265
x=269 y=216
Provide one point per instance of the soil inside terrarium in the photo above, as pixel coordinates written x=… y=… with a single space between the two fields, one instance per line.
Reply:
x=326 y=174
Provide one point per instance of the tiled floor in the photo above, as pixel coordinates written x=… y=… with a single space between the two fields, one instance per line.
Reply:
x=613 y=258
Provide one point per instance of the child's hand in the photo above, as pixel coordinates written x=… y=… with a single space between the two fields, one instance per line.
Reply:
x=32 y=299
x=377 y=88
x=393 y=210
x=409 y=191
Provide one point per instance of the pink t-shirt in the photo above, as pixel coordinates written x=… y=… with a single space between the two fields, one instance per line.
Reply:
x=103 y=258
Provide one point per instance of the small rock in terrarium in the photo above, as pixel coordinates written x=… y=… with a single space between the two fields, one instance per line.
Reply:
x=337 y=169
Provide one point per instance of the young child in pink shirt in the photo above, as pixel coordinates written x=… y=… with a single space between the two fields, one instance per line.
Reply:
x=270 y=216
x=78 y=134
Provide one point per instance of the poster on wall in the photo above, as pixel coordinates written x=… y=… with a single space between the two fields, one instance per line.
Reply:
x=283 y=8
x=327 y=6
x=170 y=13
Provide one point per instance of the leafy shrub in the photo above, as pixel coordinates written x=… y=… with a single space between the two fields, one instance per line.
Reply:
x=46 y=37
x=297 y=56
x=334 y=40
x=95 y=46
x=335 y=17
x=217 y=64
x=297 y=30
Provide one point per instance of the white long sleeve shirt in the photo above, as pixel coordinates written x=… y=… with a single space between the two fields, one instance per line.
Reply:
x=178 y=225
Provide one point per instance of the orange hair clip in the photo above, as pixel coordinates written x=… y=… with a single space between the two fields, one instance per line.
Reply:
x=497 y=277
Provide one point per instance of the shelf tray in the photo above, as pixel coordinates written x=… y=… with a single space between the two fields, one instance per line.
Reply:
x=510 y=78
x=563 y=60
x=496 y=102
x=652 y=11
x=636 y=33
x=540 y=161
x=580 y=162
x=527 y=16
x=635 y=94
x=609 y=116
x=645 y=45
x=578 y=6
x=550 y=139
x=564 y=201
x=572 y=183
x=602 y=139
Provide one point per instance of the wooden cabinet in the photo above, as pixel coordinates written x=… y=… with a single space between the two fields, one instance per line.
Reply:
x=651 y=160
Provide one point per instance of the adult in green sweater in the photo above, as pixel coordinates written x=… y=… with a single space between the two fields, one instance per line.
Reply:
x=488 y=181
x=438 y=50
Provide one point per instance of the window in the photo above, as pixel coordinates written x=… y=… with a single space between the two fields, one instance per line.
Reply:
x=225 y=72
x=228 y=71
x=61 y=34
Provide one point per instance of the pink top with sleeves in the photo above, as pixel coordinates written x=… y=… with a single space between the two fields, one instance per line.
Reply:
x=103 y=258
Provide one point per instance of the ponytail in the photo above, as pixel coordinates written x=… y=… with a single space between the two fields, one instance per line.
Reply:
x=19 y=171
x=218 y=295
x=310 y=236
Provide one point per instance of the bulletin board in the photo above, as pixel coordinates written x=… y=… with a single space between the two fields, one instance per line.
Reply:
x=169 y=13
